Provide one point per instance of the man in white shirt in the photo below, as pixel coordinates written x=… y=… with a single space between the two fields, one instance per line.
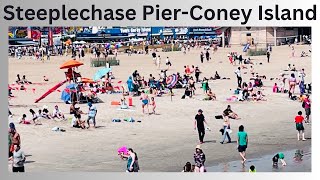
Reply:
x=239 y=78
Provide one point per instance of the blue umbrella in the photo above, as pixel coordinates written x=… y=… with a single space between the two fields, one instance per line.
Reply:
x=100 y=73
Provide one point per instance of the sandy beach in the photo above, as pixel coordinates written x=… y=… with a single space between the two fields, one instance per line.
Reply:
x=163 y=142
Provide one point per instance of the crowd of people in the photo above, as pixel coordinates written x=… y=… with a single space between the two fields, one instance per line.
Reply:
x=159 y=85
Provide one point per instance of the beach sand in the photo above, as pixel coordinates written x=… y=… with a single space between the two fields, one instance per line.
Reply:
x=163 y=142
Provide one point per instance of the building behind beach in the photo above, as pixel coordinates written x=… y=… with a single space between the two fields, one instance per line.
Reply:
x=261 y=36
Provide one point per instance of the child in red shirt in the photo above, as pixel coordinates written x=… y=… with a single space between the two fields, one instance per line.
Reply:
x=299 y=126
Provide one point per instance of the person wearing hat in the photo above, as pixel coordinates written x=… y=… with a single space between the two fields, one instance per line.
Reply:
x=92 y=114
x=276 y=158
x=199 y=124
x=199 y=159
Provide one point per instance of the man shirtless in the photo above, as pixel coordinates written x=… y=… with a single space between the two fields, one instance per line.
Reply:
x=145 y=101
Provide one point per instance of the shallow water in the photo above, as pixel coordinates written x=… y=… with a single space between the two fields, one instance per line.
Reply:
x=295 y=163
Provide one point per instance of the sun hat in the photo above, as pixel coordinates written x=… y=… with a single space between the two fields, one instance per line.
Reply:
x=198 y=147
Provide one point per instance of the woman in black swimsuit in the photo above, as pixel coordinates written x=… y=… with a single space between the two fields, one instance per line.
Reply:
x=192 y=85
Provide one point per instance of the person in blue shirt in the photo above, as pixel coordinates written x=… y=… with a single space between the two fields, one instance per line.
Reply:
x=92 y=114
x=242 y=143
x=130 y=84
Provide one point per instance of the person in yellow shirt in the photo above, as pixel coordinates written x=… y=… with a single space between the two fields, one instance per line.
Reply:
x=252 y=169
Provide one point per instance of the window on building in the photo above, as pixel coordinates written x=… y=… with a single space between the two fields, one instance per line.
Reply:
x=248 y=34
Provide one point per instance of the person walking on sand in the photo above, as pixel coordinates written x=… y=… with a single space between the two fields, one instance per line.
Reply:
x=268 y=56
x=92 y=115
x=159 y=62
x=197 y=74
x=154 y=58
x=145 y=101
x=302 y=75
x=201 y=57
x=132 y=164
x=307 y=107
x=292 y=84
x=226 y=130
x=239 y=78
x=207 y=56
x=199 y=159
x=18 y=159
x=199 y=124
x=242 y=143
x=168 y=63
x=299 y=126
x=292 y=51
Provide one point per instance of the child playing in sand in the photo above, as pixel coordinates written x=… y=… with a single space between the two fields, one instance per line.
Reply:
x=153 y=104
x=275 y=88
x=57 y=113
x=260 y=96
x=299 y=126
x=35 y=117
x=276 y=158
x=23 y=120
x=252 y=169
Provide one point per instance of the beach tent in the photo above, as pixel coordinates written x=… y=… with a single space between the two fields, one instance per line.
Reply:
x=66 y=93
x=101 y=73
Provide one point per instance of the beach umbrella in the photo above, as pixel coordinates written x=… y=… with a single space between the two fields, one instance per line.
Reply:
x=76 y=42
x=172 y=80
x=70 y=64
x=82 y=42
x=101 y=73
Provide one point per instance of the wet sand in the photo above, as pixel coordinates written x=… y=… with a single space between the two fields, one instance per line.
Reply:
x=163 y=142
x=264 y=164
